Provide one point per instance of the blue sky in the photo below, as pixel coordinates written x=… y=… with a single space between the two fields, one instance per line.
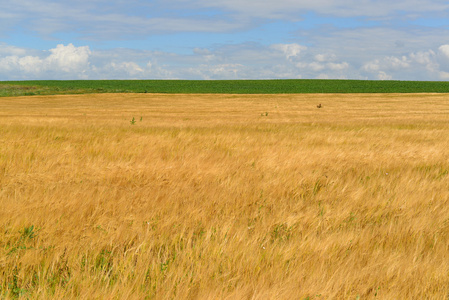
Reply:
x=224 y=39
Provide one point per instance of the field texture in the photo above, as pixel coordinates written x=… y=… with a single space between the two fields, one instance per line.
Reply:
x=133 y=196
x=290 y=86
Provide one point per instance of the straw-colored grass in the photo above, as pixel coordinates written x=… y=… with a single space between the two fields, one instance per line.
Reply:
x=224 y=196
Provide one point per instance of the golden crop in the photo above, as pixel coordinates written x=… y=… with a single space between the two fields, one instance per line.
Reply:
x=133 y=196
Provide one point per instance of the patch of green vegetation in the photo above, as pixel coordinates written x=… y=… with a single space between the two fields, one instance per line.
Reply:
x=18 y=90
x=287 y=86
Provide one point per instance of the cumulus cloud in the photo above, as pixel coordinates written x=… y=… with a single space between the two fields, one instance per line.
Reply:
x=444 y=50
x=31 y=64
x=389 y=63
x=325 y=57
x=127 y=68
x=442 y=55
x=289 y=50
x=372 y=66
x=69 y=58
x=323 y=70
x=229 y=71
x=338 y=66
x=314 y=66
x=423 y=57
x=421 y=65
x=63 y=62
x=240 y=61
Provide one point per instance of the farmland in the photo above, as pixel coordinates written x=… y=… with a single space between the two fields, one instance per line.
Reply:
x=51 y=87
x=230 y=196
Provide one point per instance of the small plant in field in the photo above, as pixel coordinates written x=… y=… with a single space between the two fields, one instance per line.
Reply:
x=133 y=121
x=104 y=261
x=28 y=232
x=15 y=290
x=140 y=119
x=264 y=114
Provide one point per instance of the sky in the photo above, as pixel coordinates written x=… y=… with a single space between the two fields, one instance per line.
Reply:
x=224 y=39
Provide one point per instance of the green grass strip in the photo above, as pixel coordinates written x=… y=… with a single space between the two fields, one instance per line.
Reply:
x=288 y=86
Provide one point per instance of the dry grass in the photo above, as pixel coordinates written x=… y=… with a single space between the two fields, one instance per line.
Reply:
x=224 y=196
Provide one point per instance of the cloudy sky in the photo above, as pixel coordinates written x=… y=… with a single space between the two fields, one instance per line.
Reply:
x=224 y=39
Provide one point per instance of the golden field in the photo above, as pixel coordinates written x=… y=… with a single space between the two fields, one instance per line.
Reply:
x=224 y=196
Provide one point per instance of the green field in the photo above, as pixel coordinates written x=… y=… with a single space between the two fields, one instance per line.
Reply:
x=290 y=86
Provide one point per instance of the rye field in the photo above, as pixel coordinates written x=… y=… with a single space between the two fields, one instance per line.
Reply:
x=224 y=196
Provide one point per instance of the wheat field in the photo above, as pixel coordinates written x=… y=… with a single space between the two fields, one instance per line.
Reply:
x=153 y=196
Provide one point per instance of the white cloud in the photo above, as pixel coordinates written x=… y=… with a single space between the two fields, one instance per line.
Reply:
x=389 y=63
x=229 y=71
x=314 y=66
x=6 y=50
x=31 y=64
x=63 y=62
x=372 y=66
x=360 y=46
x=442 y=56
x=423 y=57
x=289 y=50
x=338 y=66
x=240 y=61
x=444 y=75
x=444 y=50
x=325 y=57
x=69 y=58
x=421 y=65
x=384 y=76
x=9 y=63
x=398 y=62
x=127 y=68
